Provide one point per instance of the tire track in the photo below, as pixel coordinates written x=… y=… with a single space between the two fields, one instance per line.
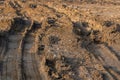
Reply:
x=28 y=57
x=12 y=60
x=3 y=44
x=30 y=67
x=109 y=58
x=20 y=60
x=114 y=51
x=2 y=51
x=109 y=62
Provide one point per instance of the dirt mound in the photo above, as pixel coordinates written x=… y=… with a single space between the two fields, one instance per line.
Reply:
x=59 y=40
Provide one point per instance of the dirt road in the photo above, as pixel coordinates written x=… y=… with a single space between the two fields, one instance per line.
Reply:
x=59 y=40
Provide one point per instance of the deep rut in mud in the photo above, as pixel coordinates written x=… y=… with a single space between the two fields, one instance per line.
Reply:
x=18 y=57
x=57 y=46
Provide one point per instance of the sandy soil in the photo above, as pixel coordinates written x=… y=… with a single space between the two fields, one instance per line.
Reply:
x=59 y=40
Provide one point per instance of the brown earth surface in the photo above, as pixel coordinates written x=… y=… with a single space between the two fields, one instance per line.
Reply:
x=59 y=39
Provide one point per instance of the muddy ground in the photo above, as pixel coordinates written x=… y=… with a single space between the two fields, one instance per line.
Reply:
x=59 y=40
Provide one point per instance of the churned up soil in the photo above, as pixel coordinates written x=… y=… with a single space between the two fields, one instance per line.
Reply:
x=59 y=39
